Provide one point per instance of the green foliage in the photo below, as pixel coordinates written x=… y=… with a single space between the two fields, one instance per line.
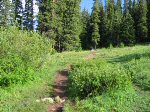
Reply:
x=141 y=31
x=133 y=62
x=28 y=15
x=97 y=77
x=21 y=54
x=13 y=70
x=127 y=29
x=17 y=8
x=22 y=97
x=122 y=45
x=140 y=72
x=95 y=24
x=71 y=25
x=102 y=26
x=59 y=20
x=110 y=12
x=148 y=18
x=111 y=46
x=119 y=101
x=85 y=34
x=5 y=14
x=47 y=21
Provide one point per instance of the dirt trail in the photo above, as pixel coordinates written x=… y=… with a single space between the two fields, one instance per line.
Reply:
x=60 y=86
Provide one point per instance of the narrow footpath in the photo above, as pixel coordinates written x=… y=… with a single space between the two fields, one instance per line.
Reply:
x=60 y=87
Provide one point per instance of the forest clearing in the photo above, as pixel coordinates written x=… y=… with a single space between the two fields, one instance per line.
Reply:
x=117 y=79
x=74 y=55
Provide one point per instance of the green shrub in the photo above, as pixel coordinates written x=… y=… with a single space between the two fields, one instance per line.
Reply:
x=13 y=70
x=122 y=45
x=117 y=101
x=97 y=77
x=21 y=53
x=140 y=72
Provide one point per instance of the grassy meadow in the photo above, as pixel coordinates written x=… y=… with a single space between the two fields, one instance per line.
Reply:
x=116 y=80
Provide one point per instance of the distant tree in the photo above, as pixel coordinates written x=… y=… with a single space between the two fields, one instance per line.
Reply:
x=126 y=6
x=47 y=18
x=117 y=24
x=119 y=6
x=127 y=29
x=58 y=28
x=148 y=19
x=102 y=26
x=18 y=11
x=135 y=16
x=85 y=34
x=95 y=24
x=141 y=31
x=71 y=25
x=110 y=12
x=28 y=15
x=4 y=12
x=130 y=4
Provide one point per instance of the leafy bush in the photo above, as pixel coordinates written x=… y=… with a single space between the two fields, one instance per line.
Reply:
x=140 y=72
x=97 y=77
x=21 y=53
x=116 y=101
x=14 y=70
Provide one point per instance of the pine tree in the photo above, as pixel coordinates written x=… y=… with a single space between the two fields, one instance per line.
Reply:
x=71 y=25
x=102 y=26
x=117 y=24
x=28 y=15
x=126 y=6
x=18 y=11
x=42 y=17
x=95 y=24
x=84 y=36
x=110 y=12
x=60 y=4
x=130 y=6
x=135 y=16
x=148 y=19
x=119 y=6
x=141 y=31
x=4 y=12
x=48 y=21
x=127 y=29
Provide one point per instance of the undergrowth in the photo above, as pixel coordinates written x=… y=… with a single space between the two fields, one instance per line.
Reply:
x=90 y=82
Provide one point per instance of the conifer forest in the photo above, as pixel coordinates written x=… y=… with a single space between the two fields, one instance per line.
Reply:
x=58 y=57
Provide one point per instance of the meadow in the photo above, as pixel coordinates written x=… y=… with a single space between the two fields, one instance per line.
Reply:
x=115 y=80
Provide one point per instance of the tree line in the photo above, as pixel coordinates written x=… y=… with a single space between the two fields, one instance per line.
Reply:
x=114 y=23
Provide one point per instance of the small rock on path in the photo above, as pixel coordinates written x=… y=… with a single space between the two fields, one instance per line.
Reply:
x=60 y=86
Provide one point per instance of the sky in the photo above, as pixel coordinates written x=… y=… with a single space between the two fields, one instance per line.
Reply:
x=87 y=4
